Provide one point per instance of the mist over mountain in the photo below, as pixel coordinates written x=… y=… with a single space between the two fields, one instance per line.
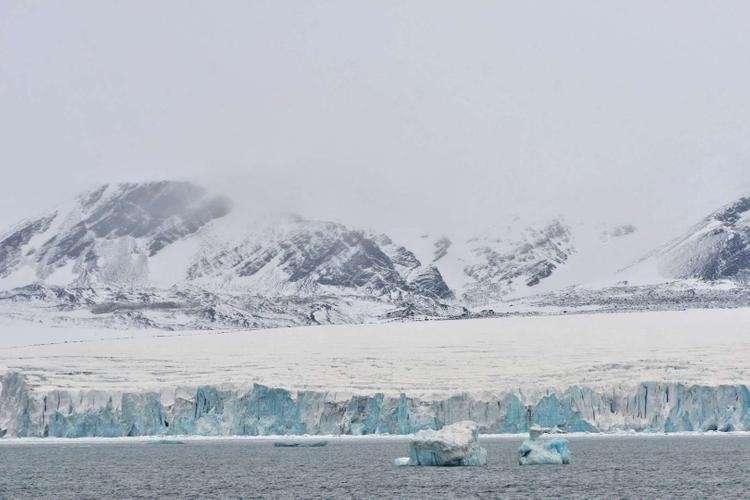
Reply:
x=406 y=118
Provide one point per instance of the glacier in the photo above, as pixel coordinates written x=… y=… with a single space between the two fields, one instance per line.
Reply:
x=262 y=410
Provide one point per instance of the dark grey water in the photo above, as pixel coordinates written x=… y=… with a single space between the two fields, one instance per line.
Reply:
x=607 y=467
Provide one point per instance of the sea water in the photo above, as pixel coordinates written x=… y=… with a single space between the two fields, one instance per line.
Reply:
x=602 y=467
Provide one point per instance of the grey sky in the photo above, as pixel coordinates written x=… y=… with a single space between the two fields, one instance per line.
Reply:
x=394 y=113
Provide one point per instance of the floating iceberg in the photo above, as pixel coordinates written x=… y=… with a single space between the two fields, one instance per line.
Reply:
x=456 y=444
x=300 y=444
x=166 y=441
x=535 y=451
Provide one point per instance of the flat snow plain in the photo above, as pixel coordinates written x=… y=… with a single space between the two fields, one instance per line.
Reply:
x=708 y=346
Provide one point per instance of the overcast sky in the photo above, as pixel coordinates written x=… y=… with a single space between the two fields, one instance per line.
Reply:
x=393 y=113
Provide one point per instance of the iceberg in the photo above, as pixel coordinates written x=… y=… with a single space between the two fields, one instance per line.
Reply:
x=554 y=451
x=456 y=444
x=536 y=451
x=300 y=444
x=166 y=441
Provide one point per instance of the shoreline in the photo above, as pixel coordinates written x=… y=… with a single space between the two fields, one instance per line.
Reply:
x=179 y=439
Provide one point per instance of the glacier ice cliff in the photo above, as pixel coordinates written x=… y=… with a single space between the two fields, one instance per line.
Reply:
x=453 y=445
x=261 y=410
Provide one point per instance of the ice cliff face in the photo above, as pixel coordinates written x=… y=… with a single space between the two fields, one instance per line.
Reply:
x=717 y=248
x=261 y=410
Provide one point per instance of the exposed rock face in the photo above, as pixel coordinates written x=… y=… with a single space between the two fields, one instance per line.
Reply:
x=430 y=281
x=12 y=244
x=161 y=212
x=717 y=248
x=441 y=248
x=304 y=257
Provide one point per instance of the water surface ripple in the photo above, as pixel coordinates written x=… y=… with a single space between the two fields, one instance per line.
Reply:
x=603 y=467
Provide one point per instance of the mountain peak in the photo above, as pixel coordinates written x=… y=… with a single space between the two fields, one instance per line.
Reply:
x=79 y=242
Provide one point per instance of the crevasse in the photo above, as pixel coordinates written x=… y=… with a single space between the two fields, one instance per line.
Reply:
x=262 y=410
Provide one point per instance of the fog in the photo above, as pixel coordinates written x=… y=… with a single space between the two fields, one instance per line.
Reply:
x=402 y=115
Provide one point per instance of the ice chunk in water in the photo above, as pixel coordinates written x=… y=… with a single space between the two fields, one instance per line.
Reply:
x=536 y=451
x=456 y=444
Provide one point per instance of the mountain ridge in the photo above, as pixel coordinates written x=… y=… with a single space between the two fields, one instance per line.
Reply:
x=171 y=254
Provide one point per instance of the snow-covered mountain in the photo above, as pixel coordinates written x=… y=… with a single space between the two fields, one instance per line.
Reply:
x=507 y=259
x=123 y=236
x=713 y=251
x=106 y=236
x=171 y=254
x=717 y=248
x=308 y=258
x=174 y=233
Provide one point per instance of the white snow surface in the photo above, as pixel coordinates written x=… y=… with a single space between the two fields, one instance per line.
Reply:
x=482 y=356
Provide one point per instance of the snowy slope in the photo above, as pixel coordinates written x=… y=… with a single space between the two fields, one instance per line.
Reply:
x=106 y=235
x=520 y=259
x=508 y=258
x=715 y=251
x=717 y=248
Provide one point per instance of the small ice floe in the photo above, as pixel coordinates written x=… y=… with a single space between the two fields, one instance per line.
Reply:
x=536 y=451
x=300 y=444
x=165 y=441
x=453 y=445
